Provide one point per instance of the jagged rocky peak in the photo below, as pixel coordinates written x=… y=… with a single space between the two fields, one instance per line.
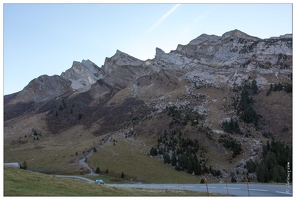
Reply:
x=204 y=38
x=120 y=58
x=47 y=87
x=82 y=74
x=89 y=64
x=286 y=36
x=43 y=81
x=82 y=67
x=238 y=34
x=158 y=52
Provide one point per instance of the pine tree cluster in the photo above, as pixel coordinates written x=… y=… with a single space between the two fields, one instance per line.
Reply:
x=182 y=115
x=181 y=153
x=231 y=143
x=277 y=160
x=245 y=108
x=231 y=126
x=278 y=87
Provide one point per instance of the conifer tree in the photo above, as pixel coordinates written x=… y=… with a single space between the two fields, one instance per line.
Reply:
x=174 y=159
x=24 y=165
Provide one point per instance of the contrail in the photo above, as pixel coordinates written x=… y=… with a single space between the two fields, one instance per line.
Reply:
x=163 y=17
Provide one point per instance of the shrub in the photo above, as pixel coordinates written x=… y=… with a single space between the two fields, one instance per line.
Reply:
x=254 y=87
x=153 y=151
x=231 y=143
x=98 y=170
x=24 y=165
x=267 y=135
x=288 y=88
x=166 y=158
x=233 y=179
x=231 y=126
x=251 y=166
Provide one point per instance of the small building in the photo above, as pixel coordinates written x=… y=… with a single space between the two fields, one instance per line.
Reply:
x=12 y=164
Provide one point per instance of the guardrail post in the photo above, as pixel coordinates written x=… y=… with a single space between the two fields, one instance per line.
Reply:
x=226 y=186
x=207 y=184
x=248 y=185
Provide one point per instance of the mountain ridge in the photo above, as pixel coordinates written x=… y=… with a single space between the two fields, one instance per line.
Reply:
x=92 y=72
x=193 y=91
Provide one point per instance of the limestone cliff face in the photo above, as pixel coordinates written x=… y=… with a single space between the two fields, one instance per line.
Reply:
x=207 y=60
x=121 y=70
x=82 y=74
x=43 y=88
x=239 y=50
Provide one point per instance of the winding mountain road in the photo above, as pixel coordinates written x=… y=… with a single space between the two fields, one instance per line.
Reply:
x=229 y=189
x=225 y=189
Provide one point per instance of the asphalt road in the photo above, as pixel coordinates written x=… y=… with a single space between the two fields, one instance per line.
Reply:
x=229 y=189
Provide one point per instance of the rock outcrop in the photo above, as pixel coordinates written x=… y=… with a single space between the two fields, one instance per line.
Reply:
x=82 y=74
x=121 y=70
x=238 y=50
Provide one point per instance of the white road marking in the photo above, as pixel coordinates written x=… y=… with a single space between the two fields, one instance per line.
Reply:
x=188 y=186
x=259 y=190
x=283 y=192
x=231 y=188
x=206 y=187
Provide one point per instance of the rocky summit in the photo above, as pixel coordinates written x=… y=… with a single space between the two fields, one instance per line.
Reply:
x=217 y=105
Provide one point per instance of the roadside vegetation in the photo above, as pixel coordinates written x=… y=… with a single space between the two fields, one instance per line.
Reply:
x=18 y=182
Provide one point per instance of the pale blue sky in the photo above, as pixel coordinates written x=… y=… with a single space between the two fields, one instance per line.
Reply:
x=46 y=38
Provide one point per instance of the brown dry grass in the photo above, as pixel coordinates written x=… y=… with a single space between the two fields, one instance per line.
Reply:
x=276 y=112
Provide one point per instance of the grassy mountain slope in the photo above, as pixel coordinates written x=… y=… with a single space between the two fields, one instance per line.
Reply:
x=19 y=182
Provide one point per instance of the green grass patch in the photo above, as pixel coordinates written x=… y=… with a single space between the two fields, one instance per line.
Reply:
x=56 y=154
x=52 y=154
x=125 y=156
x=18 y=182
